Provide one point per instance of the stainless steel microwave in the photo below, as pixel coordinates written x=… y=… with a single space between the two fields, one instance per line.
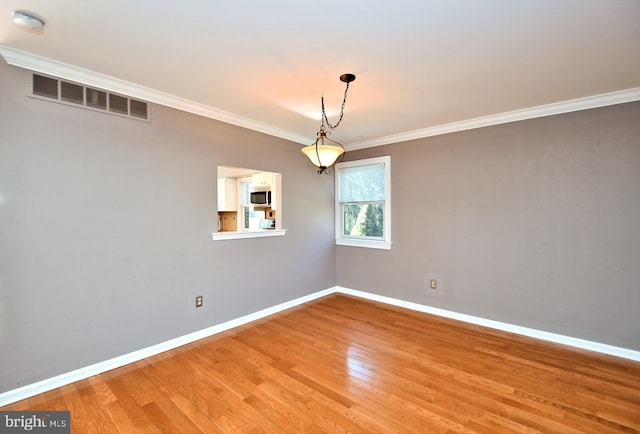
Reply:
x=261 y=198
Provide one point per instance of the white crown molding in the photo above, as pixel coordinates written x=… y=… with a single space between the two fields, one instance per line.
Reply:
x=602 y=100
x=65 y=71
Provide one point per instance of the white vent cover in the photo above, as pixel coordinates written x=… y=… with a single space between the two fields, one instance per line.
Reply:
x=66 y=92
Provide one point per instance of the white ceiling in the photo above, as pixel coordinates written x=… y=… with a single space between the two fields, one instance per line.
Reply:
x=420 y=65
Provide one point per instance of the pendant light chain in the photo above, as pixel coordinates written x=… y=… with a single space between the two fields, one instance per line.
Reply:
x=324 y=115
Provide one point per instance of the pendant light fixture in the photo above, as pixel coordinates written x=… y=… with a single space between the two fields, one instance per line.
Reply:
x=325 y=152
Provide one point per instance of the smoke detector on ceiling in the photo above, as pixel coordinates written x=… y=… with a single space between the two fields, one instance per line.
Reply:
x=27 y=21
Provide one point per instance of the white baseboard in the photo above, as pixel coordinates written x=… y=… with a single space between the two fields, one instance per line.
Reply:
x=511 y=328
x=30 y=390
x=33 y=389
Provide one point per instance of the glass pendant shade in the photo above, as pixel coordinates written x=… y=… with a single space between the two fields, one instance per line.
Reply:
x=321 y=154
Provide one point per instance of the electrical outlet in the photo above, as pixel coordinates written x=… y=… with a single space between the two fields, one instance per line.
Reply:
x=433 y=284
x=199 y=301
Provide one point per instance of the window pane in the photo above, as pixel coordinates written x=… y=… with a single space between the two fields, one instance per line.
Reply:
x=364 y=220
x=245 y=191
x=359 y=184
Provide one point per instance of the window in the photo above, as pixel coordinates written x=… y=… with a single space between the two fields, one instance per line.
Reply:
x=252 y=216
x=363 y=203
x=249 y=204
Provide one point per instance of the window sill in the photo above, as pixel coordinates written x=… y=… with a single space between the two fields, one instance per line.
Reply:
x=370 y=244
x=260 y=233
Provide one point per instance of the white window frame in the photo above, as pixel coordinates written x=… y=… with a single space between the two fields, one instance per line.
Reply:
x=342 y=240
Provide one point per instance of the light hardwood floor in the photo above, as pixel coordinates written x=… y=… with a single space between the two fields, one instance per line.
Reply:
x=342 y=364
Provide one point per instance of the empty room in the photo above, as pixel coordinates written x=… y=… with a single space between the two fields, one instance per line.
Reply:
x=320 y=216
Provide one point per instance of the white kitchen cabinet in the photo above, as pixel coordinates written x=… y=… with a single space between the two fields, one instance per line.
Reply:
x=227 y=194
x=262 y=180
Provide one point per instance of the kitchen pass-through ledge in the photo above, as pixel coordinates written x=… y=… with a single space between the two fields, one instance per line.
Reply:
x=260 y=233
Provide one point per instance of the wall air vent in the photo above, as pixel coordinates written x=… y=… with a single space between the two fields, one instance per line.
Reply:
x=53 y=89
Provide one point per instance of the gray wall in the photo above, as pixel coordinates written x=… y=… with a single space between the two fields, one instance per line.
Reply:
x=534 y=223
x=105 y=231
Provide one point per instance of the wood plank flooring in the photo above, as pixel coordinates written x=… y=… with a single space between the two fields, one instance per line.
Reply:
x=342 y=364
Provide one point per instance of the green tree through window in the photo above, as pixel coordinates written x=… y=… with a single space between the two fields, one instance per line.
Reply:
x=364 y=220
